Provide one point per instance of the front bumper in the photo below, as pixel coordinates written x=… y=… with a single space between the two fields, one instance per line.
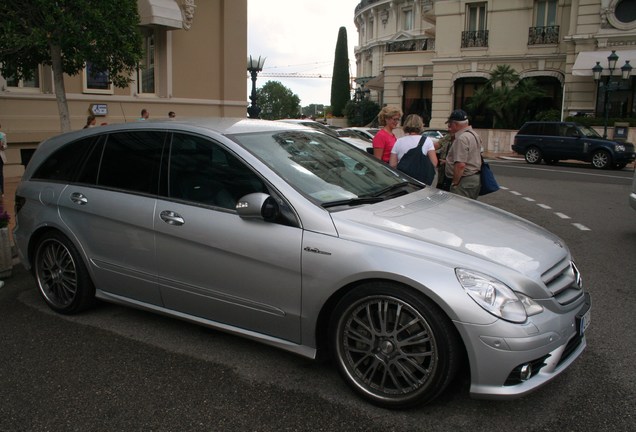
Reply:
x=528 y=356
x=626 y=157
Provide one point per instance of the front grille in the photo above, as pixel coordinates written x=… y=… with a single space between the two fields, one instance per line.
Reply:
x=572 y=345
x=564 y=282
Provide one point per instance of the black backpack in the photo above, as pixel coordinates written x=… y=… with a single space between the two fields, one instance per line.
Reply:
x=417 y=165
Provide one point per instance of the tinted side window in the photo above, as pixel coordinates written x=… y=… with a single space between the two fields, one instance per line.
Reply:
x=64 y=164
x=551 y=129
x=131 y=161
x=201 y=171
x=568 y=130
x=530 y=129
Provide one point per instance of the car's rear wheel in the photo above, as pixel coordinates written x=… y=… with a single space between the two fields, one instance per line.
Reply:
x=61 y=275
x=394 y=348
x=533 y=155
x=601 y=159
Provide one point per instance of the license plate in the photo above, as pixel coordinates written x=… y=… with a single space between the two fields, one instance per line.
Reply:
x=584 y=322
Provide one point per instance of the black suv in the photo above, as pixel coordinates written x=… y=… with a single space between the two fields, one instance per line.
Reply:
x=555 y=141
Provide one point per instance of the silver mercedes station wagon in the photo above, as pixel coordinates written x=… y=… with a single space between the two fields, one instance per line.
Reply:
x=293 y=238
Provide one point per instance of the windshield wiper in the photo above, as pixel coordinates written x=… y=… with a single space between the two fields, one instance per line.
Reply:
x=352 y=202
x=395 y=188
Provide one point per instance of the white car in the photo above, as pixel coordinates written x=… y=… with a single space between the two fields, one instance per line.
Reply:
x=360 y=143
x=365 y=132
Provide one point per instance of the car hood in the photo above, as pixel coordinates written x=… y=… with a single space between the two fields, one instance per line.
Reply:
x=447 y=221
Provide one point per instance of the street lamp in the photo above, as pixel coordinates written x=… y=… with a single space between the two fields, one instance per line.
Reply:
x=254 y=66
x=610 y=86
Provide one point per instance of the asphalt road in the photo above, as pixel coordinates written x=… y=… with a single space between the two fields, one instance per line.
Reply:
x=115 y=368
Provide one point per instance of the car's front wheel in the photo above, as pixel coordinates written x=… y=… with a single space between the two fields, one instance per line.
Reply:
x=61 y=275
x=601 y=159
x=533 y=155
x=393 y=347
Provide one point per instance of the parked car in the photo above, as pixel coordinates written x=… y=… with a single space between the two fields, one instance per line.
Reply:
x=358 y=142
x=349 y=133
x=555 y=141
x=365 y=132
x=291 y=237
x=435 y=134
x=632 y=195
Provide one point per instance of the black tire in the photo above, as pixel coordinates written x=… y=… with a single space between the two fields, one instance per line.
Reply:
x=390 y=368
x=601 y=159
x=533 y=155
x=61 y=275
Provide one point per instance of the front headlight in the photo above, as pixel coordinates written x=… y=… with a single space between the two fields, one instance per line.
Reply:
x=496 y=297
x=619 y=147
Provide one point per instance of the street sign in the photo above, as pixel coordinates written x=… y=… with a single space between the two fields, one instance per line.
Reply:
x=99 y=109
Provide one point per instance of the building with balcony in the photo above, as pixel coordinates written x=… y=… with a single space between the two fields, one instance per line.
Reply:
x=430 y=56
x=193 y=51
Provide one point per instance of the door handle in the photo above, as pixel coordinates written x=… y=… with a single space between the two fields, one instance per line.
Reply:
x=171 y=218
x=79 y=198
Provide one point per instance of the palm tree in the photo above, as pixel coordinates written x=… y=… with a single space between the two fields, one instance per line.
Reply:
x=503 y=76
x=505 y=97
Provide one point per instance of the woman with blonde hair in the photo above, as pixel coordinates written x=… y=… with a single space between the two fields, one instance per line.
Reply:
x=389 y=119
x=413 y=126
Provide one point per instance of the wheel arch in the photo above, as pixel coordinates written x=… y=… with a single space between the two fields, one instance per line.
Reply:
x=326 y=312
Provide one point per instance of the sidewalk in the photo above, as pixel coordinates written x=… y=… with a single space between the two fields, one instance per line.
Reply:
x=8 y=200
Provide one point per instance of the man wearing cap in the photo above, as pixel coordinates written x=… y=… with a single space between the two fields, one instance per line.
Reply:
x=463 y=161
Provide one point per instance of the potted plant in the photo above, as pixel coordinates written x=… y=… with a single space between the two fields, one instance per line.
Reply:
x=6 y=258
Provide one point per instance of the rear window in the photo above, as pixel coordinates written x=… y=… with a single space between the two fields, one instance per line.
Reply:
x=64 y=164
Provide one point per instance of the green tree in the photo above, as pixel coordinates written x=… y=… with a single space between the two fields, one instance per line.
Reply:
x=66 y=35
x=314 y=110
x=361 y=113
x=340 y=86
x=277 y=101
x=505 y=97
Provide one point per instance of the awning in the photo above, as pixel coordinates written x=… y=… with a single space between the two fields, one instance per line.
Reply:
x=376 y=83
x=166 y=13
x=586 y=60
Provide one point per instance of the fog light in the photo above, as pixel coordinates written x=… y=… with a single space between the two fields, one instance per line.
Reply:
x=526 y=372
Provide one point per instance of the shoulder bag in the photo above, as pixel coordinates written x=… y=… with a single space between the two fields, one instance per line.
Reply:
x=488 y=182
x=417 y=165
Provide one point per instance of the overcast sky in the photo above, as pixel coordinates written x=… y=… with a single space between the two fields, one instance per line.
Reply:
x=299 y=36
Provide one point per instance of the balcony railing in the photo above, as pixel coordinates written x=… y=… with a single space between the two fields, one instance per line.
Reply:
x=474 y=38
x=543 y=35
x=411 y=45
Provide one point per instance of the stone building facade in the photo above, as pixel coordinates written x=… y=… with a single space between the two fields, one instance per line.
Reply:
x=429 y=56
x=193 y=51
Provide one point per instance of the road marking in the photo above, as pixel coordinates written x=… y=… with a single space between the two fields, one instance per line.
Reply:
x=581 y=227
x=563 y=171
x=547 y=207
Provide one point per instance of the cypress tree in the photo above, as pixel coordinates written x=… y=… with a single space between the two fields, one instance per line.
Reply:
x=340 y=89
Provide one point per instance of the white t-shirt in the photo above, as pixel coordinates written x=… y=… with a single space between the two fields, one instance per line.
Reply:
x=408 y=142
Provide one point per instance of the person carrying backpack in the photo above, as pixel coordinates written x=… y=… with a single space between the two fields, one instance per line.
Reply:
x=414 y=154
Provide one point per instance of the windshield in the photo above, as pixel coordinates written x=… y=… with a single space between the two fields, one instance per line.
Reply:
x=329 y=171
x=589 y=132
